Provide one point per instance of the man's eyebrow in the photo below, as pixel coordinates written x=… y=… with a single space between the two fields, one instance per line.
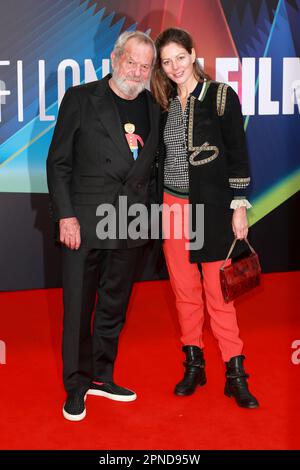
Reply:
x=130 y=58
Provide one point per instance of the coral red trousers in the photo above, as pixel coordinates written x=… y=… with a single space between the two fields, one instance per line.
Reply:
x=188 y=288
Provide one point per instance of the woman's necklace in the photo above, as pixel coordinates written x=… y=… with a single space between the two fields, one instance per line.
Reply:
x=183 y=102
x=186 y=93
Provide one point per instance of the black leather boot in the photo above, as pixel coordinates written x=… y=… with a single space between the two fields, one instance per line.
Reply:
x=194 y=371
x=236 y=383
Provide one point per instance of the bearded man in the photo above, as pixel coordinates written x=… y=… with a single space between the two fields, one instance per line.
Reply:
x=103 y=148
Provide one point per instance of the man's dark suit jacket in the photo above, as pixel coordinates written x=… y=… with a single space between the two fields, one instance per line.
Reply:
x=90 y=163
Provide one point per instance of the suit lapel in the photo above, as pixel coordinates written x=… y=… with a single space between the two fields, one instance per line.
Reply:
x=107 y=112
x=151 y=130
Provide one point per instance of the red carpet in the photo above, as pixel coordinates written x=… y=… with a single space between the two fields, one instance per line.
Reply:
x=149 y=361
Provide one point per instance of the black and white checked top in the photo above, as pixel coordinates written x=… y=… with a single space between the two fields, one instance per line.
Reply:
x=176 y=173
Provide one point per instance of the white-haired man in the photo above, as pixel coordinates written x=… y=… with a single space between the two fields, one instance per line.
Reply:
x=103 y=147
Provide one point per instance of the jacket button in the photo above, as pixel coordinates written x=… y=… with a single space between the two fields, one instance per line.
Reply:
x=139 y=186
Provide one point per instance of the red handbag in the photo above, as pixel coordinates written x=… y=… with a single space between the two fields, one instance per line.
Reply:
x=241 y=275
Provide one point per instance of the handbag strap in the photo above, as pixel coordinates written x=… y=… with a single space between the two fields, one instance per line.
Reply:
x=231 y=249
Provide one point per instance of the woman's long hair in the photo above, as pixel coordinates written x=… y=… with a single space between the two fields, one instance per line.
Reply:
x=161 y=86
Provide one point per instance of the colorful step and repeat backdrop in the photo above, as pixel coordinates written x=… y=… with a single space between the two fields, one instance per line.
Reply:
x=48 y=45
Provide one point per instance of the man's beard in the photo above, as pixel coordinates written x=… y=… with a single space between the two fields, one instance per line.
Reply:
x=129 y=89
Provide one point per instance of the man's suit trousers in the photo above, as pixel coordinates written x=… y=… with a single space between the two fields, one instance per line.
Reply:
x=90 y=344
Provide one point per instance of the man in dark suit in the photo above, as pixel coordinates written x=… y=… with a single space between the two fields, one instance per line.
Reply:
x=102 y=151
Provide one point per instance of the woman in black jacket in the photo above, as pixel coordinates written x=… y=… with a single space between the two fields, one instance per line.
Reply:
x=202 y=164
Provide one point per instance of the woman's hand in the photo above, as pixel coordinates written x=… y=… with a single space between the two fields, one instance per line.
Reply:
x=240 y=223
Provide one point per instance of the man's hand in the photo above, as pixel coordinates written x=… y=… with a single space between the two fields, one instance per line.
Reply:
x=240 y=223
x=69 y=232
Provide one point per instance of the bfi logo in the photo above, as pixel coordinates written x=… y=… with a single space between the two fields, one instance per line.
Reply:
x=2 y=92
x=2 y=352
